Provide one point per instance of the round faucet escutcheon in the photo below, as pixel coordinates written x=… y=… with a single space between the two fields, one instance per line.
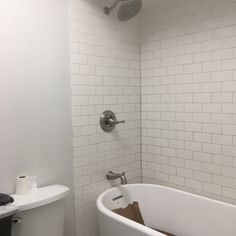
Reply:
x=108 y=121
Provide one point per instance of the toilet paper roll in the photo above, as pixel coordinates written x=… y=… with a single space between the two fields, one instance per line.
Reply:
x=25 y=184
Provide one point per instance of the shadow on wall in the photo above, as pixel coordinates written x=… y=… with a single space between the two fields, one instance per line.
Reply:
x=35 y=122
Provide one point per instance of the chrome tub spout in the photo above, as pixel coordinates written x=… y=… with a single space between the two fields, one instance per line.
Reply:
x=112 y=176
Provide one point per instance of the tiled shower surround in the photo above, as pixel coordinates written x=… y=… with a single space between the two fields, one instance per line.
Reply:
x=178 y=60
x=105 y=76
x=188 y=57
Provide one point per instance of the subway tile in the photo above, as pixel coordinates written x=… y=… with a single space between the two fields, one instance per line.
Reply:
x=212 y=188
x=188 y=94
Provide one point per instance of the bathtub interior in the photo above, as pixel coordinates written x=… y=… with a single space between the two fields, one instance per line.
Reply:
x=121 y=196
x=175 y=211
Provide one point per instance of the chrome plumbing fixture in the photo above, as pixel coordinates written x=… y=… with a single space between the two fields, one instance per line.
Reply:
x=127 y=10
x=16 y=219
x=108 y=121
x=112 y=176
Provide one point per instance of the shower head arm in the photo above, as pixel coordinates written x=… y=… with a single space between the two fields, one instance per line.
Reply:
x=107 y=10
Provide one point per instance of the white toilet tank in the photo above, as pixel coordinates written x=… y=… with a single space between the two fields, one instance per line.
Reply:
x=41 y=213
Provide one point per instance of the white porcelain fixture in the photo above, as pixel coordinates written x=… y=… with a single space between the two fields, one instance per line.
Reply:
x=167 y=209
x=7 y=210
x=42 y=212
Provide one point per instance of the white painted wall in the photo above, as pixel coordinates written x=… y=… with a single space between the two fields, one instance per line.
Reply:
x=35 y=122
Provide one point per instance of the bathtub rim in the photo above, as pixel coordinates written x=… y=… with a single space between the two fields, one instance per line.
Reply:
x=101 y=208
x=144 y=229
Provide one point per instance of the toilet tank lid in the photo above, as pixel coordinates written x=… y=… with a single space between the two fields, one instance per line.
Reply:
x=7 y=210
x=40 y=197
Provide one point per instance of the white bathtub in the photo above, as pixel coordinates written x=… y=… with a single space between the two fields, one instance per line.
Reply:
x=167 y=209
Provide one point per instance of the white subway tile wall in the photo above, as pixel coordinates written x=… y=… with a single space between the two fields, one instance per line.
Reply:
x=188 y=84
x=183 y=93
x=105 y=65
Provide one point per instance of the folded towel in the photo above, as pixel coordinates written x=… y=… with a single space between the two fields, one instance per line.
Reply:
x=5 y=199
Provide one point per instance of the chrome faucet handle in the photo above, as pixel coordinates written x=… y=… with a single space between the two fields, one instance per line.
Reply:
x=108 y=121
x=116 y=121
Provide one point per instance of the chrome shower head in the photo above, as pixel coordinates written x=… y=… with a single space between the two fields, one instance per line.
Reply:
x=127 y=10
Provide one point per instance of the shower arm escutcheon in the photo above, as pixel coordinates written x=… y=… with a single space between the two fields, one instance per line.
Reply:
x=108 y=121
x=107 y=10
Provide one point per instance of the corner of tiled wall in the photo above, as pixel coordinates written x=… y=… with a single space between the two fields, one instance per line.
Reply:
x=105 y=65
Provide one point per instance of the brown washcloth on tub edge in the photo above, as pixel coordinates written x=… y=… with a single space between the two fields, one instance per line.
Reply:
x=131 y=212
